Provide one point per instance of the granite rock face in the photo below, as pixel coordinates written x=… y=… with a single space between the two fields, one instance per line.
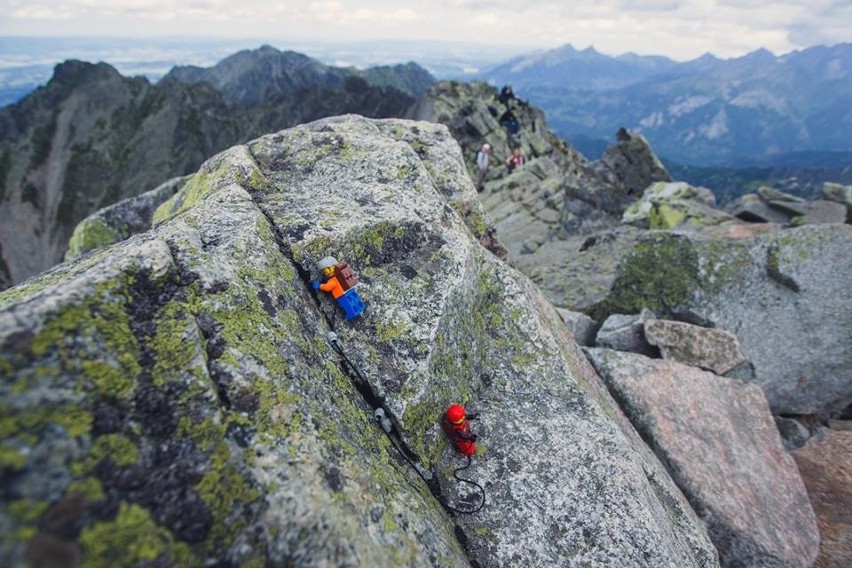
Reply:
x=714 y=350
x=626 y=332
x=824 y=465
x=784 y=295
x=557 y=191
x=674 y=204
x=172 y=399
x=718 y=439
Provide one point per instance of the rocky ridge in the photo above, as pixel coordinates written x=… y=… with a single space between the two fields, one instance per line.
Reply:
x=172 y=398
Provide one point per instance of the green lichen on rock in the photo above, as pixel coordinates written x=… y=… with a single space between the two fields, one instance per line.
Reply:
x=660 y=275
x=132 y=538
x=89 y=235
x=197 y=188
x=665 y=216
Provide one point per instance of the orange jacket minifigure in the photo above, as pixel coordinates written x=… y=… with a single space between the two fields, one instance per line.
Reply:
x=339 y=281
x=459 y=428
x=331 y=285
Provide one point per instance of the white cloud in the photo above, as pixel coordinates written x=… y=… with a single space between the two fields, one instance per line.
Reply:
x=678 y=28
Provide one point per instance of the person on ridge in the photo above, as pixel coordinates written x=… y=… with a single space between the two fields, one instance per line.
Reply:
x=506 y=95
x=482 y=158
x=509 y=121
x=516 y=160
x=339 y=280
x=459 y=427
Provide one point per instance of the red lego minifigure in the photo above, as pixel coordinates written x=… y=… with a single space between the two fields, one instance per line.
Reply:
x=459 y=428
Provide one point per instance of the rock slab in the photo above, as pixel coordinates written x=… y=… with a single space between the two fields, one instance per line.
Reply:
x=719 y=441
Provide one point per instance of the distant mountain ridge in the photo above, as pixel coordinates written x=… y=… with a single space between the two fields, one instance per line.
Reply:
x=250 y=77
x=92 y=137
x=704 y=112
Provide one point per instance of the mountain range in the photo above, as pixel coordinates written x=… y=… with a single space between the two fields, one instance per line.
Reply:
x=91 y=136
x=707 y=111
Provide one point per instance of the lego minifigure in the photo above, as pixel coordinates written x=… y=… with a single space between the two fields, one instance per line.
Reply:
x=338 y=280
x=459 y=427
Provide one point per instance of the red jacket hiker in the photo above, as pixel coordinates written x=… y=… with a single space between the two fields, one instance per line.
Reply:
x=459 y=428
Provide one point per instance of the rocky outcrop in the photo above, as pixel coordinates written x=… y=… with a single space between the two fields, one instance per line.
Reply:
x=824 y=465
x=676 y=204
x=782 y=294
x=714 y=350
x=632 y=164
x=172 y=399
x=120 y=221
x=625 y=332
x=582 y=327
x=558 y=191
x=769 y=205
x=718 y=439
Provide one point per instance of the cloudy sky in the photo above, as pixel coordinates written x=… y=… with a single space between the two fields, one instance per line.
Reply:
x=680 y=29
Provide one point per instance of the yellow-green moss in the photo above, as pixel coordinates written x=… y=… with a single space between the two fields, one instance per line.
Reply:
x=89 y=235
x=224 y=488
x=666 y=217
x=197 y=188
x=89 y=487
x=115 y=447
x=11 y=458
x=26 y=511
x=75 y=419
x=390 y=331
x=94 y=342
x=133 y=537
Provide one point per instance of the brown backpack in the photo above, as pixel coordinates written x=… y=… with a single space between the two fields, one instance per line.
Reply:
x=345 y=275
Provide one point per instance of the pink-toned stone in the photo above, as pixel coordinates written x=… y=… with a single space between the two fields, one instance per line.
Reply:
x=825 y=463
x=718 y=439
x=712 y=349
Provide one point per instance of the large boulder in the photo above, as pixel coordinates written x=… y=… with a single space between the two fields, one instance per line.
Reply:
x=783 y=294
x=714 y=350
x=824 y=465
x=173 y=399
x=626 y=332
x=120 y=221
x=719 y=441
x=632 y=163
x=675 y=204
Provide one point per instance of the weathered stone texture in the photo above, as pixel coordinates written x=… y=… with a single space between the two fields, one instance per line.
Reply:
x=718 y=440
x=176 y=396
x=714 y=350
x=824 y=463
x=783 y=294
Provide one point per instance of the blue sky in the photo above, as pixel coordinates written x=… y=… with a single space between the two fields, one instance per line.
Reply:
x=680 y=29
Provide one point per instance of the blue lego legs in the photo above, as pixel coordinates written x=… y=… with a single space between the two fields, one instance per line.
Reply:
x=351 y=304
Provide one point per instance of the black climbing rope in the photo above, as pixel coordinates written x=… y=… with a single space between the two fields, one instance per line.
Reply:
x=471 y=482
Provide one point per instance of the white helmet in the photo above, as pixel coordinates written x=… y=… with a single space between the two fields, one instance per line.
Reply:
x=486 y=146
x=326 y=262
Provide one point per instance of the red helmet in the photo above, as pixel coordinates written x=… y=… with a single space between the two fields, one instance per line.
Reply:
x=455 y=413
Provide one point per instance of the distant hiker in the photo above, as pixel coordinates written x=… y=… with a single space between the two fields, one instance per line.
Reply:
x=622 y=135
x=339 y=280
x=506 y=95
x=516 y=160
x=482 y=158
x=509 y=121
